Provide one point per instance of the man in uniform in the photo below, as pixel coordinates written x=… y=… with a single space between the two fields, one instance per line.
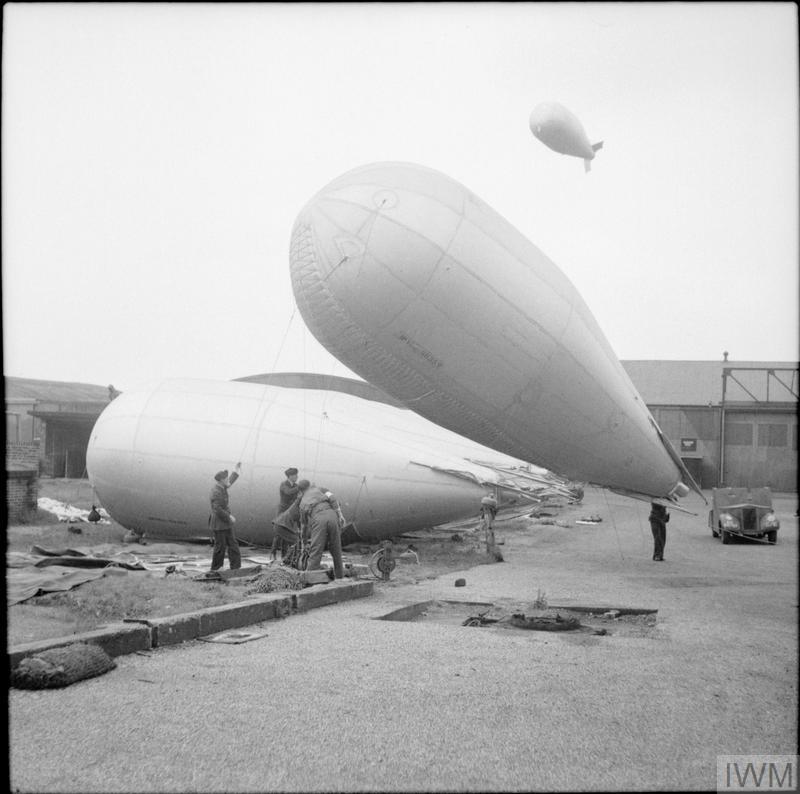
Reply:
x=288 y=494
x=488 y=513
x=221 y=521
x=319 y=518
x=658 y=525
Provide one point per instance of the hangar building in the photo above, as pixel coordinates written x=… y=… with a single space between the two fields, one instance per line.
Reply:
x=54 y=417
x=732 y=423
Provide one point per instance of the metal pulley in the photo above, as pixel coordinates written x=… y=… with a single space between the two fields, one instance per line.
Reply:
x=383 y=560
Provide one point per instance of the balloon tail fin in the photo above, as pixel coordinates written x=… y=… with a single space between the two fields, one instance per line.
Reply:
x=587 y=166
x=596 y=146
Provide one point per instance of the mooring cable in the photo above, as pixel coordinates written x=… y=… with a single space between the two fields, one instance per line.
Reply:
x=614 y=523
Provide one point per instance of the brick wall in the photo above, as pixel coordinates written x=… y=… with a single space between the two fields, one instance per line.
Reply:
x=22 y=491
x=22 y=480
x=23 y=454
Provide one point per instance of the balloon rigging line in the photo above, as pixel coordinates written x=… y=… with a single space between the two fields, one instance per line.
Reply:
x=285 y=334
x=614 y=523
x=639 y=524
x=255 y=423
x=323 y=417
x=266 y=392
x=358 y=497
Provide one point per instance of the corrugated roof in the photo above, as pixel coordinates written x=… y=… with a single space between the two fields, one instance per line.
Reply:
x=88 y=414
x=54 y=390
x=700 y=382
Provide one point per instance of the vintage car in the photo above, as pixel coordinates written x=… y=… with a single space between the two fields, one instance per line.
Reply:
x=745 y=512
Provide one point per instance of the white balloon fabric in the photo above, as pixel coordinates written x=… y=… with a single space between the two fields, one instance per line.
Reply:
x=425 y=291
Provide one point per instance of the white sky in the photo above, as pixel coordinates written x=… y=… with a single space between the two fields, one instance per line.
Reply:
x=155 y=157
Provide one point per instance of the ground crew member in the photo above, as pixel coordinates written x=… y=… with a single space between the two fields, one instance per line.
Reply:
x=488 y=512
x=221 y=521
x=319 y=519
x=658 y=524
x=288 y=492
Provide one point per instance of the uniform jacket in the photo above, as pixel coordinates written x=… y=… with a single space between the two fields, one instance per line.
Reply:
x=220 y=517
x=314 y=500
x=288 y=493
x=659 y=514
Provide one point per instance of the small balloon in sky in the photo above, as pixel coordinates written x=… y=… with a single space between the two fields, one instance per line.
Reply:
x=560 y=130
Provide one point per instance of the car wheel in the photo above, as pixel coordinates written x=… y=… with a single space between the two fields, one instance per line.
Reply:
x=772 y=537
x=726 y=537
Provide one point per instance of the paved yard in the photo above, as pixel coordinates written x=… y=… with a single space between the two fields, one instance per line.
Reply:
x=334 y=700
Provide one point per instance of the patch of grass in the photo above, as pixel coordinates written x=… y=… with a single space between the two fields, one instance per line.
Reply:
x=112 y=599
x=29 y=623
x=35 y=516
x=56 y=535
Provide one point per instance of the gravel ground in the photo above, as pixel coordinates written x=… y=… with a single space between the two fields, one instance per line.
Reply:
x=333 y=700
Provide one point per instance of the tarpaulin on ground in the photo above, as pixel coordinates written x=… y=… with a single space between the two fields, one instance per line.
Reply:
x=87 y=562
x=75 y=558
x=25 y=583
x=46 y=570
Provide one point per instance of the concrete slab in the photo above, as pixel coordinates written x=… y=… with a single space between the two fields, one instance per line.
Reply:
x=599 y=609
x=415 y=610
x=174 y=629
x=324 y=594
x=235 y=636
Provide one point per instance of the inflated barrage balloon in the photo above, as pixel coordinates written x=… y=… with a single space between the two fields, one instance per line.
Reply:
x=560 y=130
x=422 y=289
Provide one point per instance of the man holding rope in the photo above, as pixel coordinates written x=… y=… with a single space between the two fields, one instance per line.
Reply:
x=221 y=521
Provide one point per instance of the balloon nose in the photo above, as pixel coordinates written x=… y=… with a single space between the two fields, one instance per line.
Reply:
x=384 y=239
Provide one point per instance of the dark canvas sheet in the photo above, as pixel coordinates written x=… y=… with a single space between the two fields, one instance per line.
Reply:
x=44 y=570
x=24 y=583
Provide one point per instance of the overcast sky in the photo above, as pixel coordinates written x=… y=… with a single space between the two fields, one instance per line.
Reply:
x=155 y=158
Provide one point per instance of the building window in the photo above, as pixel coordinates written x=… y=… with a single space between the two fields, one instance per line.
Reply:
x=772 y=435
x=739 y=434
